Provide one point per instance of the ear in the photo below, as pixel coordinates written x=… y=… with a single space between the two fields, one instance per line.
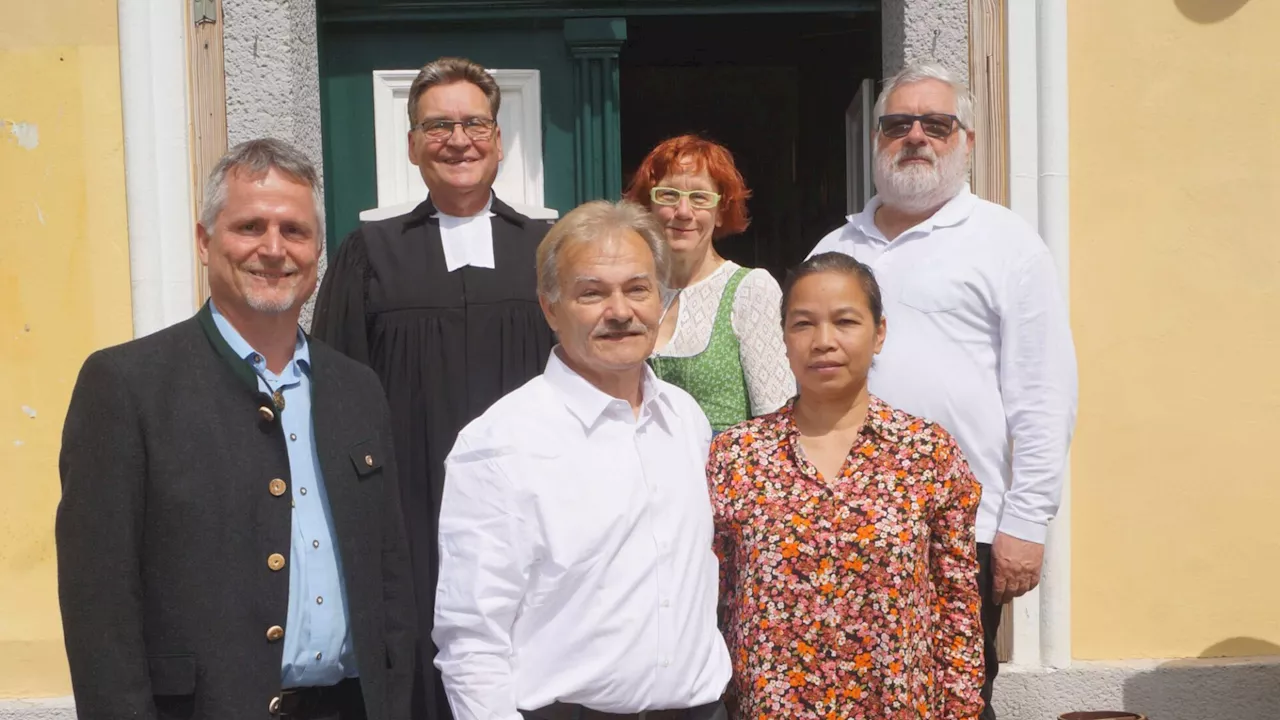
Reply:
x=970 y=141
x=548 y=312
x=413 y=147
x=202 y=243
x=881 y=333
x=497 y=140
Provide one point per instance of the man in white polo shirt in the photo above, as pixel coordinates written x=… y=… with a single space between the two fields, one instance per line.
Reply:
x=978 y=335
x=577 y=579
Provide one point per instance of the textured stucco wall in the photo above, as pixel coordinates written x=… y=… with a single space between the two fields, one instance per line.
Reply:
x=921 y=29
x=52 y=709
x=273 y=79
x=64 y=292
x=1241 y=689
x=1237 y=689
x=1174 y=269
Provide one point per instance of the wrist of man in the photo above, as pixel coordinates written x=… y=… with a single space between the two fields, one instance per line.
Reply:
x=1023 y=529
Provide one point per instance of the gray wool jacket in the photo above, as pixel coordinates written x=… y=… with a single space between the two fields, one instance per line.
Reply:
x=167 y=520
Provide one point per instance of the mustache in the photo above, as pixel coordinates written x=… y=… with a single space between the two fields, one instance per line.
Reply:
x=259 y=268
x=609 y=329
x=909 y=153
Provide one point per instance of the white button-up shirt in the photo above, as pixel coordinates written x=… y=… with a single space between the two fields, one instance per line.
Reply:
x=979 y=342
x=575 y=554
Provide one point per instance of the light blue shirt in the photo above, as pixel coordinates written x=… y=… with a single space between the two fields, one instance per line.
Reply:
x=318 y=648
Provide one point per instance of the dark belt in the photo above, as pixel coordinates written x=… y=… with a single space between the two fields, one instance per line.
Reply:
x=309 y=702
x=567 y=711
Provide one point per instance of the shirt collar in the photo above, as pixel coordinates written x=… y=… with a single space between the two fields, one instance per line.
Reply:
x=957 y=210
x=300 y=362
x=881 y=421
x=485 y=212
x=426 y=209
x=589 y=403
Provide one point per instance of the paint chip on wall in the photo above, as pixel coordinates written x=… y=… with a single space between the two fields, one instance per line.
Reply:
x=27 y=134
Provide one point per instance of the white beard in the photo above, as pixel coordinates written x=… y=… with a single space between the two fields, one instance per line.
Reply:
x=265 y=303
x=919 y=188
x=270 y=307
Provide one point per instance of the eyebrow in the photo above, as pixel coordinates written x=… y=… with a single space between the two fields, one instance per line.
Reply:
x=592 y=279
x=443 y=118
x=837 y=311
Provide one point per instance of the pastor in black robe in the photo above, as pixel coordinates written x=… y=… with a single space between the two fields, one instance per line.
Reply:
x=446 y=346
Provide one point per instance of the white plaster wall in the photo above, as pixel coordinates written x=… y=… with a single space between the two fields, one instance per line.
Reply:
x=273 y=78
x=919 y=29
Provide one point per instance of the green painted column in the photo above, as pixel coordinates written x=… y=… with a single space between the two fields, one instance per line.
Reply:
x=594 y=44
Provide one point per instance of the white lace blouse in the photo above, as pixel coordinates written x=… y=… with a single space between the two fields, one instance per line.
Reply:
x=756 y=321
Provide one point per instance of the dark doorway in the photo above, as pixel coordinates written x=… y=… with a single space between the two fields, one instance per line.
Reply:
x=771 y=88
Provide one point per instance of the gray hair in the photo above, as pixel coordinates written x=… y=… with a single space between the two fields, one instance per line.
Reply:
x=450 y=70
x=256 y=158
x=928 y=70
x=595 y=221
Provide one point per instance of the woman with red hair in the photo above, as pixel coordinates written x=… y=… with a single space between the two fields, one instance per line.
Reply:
x=721 y=337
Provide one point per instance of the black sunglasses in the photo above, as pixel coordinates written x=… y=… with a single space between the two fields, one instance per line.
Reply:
x=935 y=125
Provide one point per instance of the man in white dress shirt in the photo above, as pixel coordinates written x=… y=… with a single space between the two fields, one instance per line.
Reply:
x=978 y=335
x=577 y=579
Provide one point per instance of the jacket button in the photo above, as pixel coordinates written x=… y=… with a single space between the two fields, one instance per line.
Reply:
x=273 y=707
x=368 y=460
x=267 y=413
x=278 y=487
x=275 y=561
x=274 y=633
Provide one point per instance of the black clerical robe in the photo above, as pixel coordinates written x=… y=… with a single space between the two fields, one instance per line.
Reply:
x=446 y=345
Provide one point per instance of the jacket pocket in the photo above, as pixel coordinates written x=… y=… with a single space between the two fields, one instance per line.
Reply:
x=366 y=458
x=172 y=674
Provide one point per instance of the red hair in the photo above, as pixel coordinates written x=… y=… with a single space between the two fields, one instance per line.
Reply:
x=690 y=153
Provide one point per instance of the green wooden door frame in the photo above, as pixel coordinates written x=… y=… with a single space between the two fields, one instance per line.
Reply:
x=591 y=36
x=364 y=11
x=594 y=44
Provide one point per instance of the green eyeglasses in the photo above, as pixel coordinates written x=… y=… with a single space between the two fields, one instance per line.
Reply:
x=476 y=128
x=698 y=199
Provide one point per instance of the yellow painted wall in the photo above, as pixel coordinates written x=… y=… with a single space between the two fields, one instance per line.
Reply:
x=64 y=291
x=1175 y=285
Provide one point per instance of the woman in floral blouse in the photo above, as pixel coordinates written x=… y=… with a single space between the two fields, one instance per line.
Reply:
x=845 y=532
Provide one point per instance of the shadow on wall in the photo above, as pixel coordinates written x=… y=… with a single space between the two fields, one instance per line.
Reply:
x=1236 y=679
x=1209 y=11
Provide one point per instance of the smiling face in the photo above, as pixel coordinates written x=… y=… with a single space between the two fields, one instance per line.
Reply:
x=263 y=248
x=608 y=307
x=689 y=230
x=457 y=165
x=831 y=334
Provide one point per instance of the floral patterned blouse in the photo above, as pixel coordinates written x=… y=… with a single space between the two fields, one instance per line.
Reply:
x=854 y=598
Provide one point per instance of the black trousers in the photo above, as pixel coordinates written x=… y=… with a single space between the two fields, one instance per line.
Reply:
x=990 y=626
x=563 y=711
x=343 y=701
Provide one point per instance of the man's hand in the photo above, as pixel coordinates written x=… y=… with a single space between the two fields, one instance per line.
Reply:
x=1015 y=567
